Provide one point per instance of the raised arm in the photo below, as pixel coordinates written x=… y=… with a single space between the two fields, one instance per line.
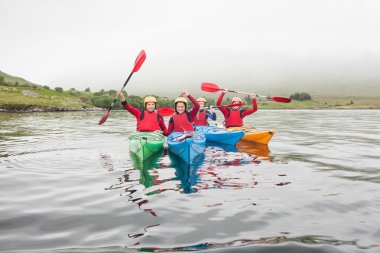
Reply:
x=253 y=109
x=136 y=112
x=222 y=109
x=133 y=110
x=195 y=109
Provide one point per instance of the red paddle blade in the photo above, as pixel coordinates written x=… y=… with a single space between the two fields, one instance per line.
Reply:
x=210 y=87
x=139 y=61
x=233 y=105
x=165 y=111
x=105 y=116
x=281 y=99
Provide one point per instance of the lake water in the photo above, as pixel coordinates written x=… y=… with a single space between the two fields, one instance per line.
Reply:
x=69 y=185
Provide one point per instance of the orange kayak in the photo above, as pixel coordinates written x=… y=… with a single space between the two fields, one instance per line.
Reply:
x=254 y=135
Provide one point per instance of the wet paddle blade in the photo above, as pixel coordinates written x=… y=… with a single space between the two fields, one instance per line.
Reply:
x=165 y=111
x=105 y=116
x=281 y=99
x=210 y=87
x=139 y=61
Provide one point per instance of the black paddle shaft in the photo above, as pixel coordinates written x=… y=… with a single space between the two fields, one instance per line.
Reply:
x=125 y=84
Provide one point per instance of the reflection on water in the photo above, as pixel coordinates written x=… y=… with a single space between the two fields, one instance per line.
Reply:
x=69 y=185
x=186 y=173
x=146 y=166
x=256 y=149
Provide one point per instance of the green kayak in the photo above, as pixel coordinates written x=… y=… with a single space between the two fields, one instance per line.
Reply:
x=145 y=144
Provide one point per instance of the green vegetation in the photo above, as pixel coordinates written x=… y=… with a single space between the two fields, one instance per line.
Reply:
x=302 y=96
x=17 y=94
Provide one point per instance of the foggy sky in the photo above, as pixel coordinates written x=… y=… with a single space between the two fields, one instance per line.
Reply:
x=257 y=46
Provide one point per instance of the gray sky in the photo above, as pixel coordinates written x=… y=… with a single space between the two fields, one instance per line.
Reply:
x=319 y=46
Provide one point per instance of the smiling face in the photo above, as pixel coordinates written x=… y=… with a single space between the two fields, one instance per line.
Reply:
x=235 y=107
x=202 y=104
x=150 y=106
x=180 y=107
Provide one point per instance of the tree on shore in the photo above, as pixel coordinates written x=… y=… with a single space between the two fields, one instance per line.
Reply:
x=300 y=96
x=58 y=89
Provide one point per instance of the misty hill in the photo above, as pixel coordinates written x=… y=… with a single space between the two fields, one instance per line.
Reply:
x=13 y=79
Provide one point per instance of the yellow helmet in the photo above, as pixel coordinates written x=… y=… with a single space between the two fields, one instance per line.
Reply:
x=180 y=99
x=201 y=100
x=150 y=99
x=236 y=99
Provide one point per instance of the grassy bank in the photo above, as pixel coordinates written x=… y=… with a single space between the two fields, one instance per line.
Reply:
x=20 y=95
x=38 y=98
x=41 y=99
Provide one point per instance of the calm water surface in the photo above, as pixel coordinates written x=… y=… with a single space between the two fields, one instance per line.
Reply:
x=69 y=185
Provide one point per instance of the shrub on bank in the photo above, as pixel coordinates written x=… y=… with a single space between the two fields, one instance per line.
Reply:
x=300 y=96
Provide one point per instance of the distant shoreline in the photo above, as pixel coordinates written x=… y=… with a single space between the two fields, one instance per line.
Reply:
x=61 y=110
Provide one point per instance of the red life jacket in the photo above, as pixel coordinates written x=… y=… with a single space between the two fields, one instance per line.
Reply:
x=182 y=122
x=201 y=119
x=148 y=121
x=234 y=118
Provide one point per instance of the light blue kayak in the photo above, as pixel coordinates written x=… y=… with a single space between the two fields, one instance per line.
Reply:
x=219 y=135
x=188 y=149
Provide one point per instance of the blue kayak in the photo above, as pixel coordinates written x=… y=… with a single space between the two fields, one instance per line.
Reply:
x=218 y=135
x=187 y=149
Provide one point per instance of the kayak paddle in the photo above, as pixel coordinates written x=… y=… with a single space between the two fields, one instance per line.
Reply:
x=165 y=111
x=138 y=62
x=229 y=105
x=212 y=87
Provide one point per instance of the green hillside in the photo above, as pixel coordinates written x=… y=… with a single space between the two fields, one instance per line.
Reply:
x=20 y=95
x=13 y=79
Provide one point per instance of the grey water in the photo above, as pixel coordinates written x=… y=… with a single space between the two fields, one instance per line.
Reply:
x=69 y=185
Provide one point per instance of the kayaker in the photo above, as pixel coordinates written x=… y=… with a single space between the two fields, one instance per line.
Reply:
x=234 y=116
x=203 y=114
x=148 y=120
x=182 y=120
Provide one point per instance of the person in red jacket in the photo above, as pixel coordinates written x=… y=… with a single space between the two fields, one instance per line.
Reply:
x=148 y=120
x=203 y=114
x=182 y=120
x=234 y=116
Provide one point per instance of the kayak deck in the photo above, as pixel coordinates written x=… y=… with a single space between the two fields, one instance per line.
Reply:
x=254 y=135
x=145 y=144
x=189 y=148
x=218 y=135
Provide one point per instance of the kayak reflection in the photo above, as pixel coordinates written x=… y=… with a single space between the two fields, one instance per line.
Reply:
x=144 y=166
x=186 y=173
x=257 y=149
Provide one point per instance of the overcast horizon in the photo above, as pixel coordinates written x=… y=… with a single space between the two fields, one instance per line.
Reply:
x=275 y=47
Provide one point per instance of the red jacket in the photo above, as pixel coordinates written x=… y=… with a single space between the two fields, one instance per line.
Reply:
x=184 y=121
x=235 y=117
x=201 y=119
x=146 y=121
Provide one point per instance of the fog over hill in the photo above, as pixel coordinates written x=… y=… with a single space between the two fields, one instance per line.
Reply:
x=329 y=48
